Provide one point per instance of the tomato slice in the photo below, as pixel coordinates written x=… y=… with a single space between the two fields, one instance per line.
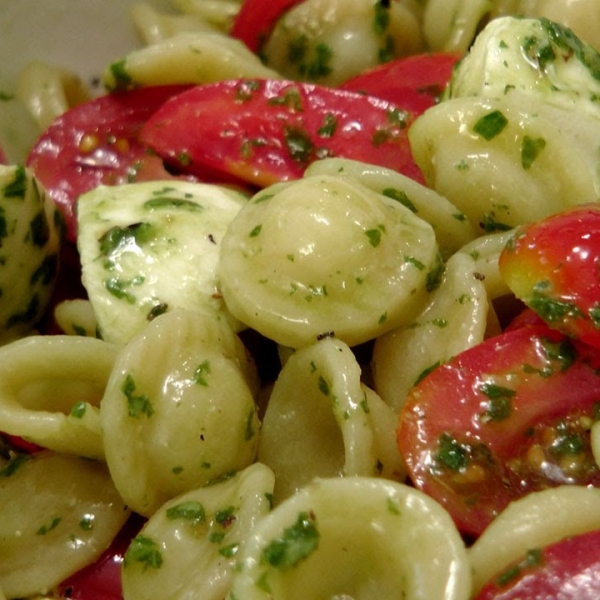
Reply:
x=97 y=143
x=415 y=83
x=502 y=419
x=553 y=266
x=264 y=131
x=567 y=569
x=256 y=19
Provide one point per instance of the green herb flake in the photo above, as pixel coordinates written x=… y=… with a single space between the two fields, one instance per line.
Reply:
x=298 y=143
x=137 y=405
x=145 y=551
x=296 y=543
x=381 y=19
x=329 y=126
x=18 y=186
x=87 y=522
x=323 y=386
x=191 y=511
x=123 y=80
x=374 y=237
x=79 y=409
x=11 y=467
x=400 y=196
x=256 y=231
x=451 y=454
x=500 y=401
x=53 y=524
x=118 y=239
x=490 y=125
x=201 y=372
x=530 y=150
x=563 y=352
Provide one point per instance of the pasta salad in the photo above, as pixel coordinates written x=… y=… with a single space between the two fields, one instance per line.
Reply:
x=300 y=299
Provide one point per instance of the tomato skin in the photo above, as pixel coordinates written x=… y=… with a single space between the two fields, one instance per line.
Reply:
x=568 y=569
x=97 y=143
x=256 y=19
x=553 y=266
x=495 y=423
x=414 y=83
x=265 y=131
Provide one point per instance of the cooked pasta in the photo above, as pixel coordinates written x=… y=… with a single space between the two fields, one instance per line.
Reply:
x=186 y=57
x=189 y=546
x=178 y=410
x=331 y=40
x=307 y=546
x=455 y=319
x=320 y=422
x=326 y=255
x=50 y=391
x=58 y=506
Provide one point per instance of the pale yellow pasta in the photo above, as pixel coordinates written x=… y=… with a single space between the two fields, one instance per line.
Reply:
x=76 y=317
x=451 y=25
x=582 y=16
x=318 y=421
x=323 y=255
x=59 y=513
x=452 y=229
x=50 y=390
x=155 y=26
x=542 y=159
x=220 y=13
x=485 y=251
x=534 y=521
x=150 y=247
x=188 y=547
x=548 y=65
x=329 y=41
x=186 y=57
x=179 y=410
x=454 y=320
x=30 y=238
x=49 y=91
x=354 y=537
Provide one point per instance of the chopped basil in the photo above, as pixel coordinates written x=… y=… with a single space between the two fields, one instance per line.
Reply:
x=530 y=150
x=79 y=409
x=119 y=238
x=451 y=454
x=137 y=405
x=200 y=373
x=18 y=186
x=143 y=550
x=14 y=464
x=191 y=511
x=400 y=196
x=298 y=144
x=329 y=126
x=500 y=405
x=490 y=125
x=374 y=236
x=53 y=524
x=178 y=203
x=323 y=386
x=123 y=80
x=564 y=352
x=381 y=20
x=296 y=543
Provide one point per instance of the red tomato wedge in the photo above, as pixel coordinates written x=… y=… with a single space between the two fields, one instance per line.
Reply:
x=414 y=83
x=502 y=419
x=265 y=131
x=569 y=570
x=97 y=143
x=256 y=19
x=553 y=266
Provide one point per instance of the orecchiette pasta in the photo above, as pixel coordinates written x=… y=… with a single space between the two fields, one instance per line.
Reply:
x=50 y=391
x=57 y=506
x=524 y=524
x=307 y=546
x=330 y=40
x=326 y=255
x=178 y=410
x=186 y=57
x=454 y=320
x=189 y=547
x=320 y=421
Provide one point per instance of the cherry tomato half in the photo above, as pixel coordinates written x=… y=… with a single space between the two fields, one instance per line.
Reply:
x=568 y=569
x=265 y=131
x=553 y=266
x=414 y=83
x=502 y=419
x=97 y=143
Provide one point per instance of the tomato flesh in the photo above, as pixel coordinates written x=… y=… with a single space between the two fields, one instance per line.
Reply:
x=505 y=418
x=415 y=83
x=553 y=266
x=265 y=131
x=97 y=143
x=568 y=569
